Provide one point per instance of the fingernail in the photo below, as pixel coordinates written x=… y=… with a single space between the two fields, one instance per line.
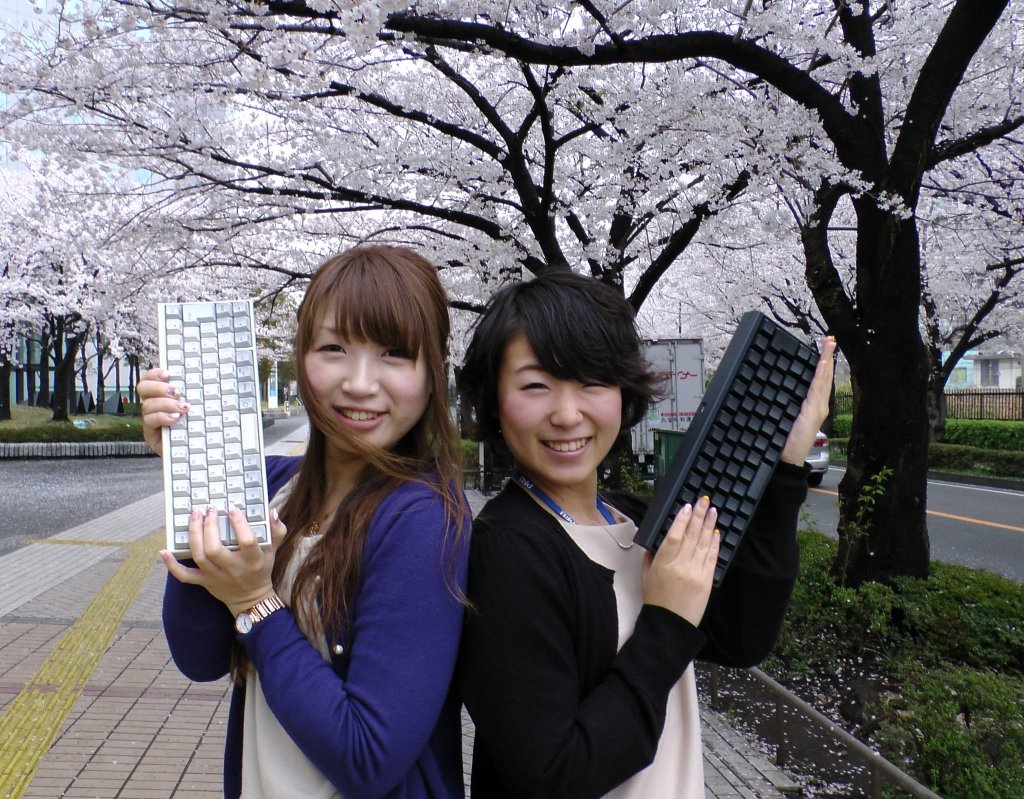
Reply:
x=717 y=532
x=705 y=500
x=232 y=508
x=184 y=406
x=175 y=416
x=274 y=515
x=211 y=511
x=196 y=513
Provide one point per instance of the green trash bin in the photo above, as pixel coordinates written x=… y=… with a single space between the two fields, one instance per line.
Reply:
x=666 y=444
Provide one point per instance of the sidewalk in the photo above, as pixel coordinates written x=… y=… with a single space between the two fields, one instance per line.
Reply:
x=91 y=705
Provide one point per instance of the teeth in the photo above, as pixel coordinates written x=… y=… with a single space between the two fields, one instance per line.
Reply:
x=567 y=446
x=359 y=416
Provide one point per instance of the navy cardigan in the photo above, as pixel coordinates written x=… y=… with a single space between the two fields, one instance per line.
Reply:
x=379 y=720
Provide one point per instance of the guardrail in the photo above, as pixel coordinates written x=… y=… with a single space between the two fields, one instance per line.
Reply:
x=879 y=768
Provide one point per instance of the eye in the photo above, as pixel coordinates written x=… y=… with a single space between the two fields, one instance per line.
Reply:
x=330 y=348
x=397 y=352
x=534 y=386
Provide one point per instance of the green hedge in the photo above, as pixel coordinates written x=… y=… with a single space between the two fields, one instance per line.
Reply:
x=943 y=655
x=985 y=434
x=1000 y=450
x=59 y=432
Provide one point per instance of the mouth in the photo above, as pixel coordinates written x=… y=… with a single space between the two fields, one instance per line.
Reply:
x=567 y=446
x=357 y=415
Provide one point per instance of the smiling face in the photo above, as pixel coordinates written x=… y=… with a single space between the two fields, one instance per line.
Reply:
x=377 y=391
x=557 y=430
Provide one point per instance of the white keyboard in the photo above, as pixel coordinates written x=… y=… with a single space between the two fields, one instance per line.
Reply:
x=213 y=455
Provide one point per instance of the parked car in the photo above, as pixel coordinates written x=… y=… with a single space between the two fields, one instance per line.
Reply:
x=817 y=459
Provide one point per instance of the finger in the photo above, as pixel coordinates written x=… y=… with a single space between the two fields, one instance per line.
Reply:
x=674 y=537
x=278 y=531
x=195 y=537
x=714 y=542
x=156 y=373
x=697 y=520
x=247 y=544
x=204 y=537
x=180 y=571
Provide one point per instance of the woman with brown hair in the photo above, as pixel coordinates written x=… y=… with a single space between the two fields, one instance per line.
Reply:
x=342 y=673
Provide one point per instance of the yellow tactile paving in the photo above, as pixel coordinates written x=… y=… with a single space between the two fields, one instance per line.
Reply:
x=31 y=721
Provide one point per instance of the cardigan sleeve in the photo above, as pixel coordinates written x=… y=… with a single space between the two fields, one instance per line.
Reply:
x=546 y=733
x=199 y=628
x=364 y=731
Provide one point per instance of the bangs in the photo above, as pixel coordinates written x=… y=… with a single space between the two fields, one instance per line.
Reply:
x=368 y=302
x=579 y=348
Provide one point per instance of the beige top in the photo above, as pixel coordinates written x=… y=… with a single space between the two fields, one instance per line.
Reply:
x=273 y=767
x=677 y=771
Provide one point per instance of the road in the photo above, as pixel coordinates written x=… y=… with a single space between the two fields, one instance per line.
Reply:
x=42 y=497
x=970 y=525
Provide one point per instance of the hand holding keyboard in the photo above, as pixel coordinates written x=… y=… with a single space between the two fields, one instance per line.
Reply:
x=213 y=455
x=736 y=437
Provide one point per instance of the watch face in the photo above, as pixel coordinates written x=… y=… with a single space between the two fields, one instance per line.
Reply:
x=243 y=622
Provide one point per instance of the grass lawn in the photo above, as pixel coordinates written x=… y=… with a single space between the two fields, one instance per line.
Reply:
x=33 y=425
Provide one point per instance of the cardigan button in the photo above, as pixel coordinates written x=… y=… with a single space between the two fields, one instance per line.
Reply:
x=339 y=649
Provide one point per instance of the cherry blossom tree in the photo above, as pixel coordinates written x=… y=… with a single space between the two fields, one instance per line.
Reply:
x=901 y=93
x=589 y=134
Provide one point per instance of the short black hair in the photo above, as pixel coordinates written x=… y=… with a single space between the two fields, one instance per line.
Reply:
x=579 y=328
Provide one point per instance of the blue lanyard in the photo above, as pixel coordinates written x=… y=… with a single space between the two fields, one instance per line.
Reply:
x=534 y=489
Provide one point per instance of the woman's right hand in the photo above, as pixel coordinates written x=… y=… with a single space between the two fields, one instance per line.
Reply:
x=161 y=407
x=679 y=575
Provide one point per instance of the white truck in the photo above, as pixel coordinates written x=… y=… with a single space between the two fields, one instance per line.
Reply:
x=680 y=361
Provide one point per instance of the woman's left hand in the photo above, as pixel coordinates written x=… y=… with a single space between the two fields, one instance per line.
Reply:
x=814 y=409
x=238 y=578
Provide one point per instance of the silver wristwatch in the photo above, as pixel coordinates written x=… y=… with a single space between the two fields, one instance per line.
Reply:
x=247 y=619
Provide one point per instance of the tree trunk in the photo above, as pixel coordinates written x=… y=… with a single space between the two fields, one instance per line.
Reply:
x=43 y=371
x=101 y=380
x=5 y=389
x=62 y=374
x=883 y=496
x=66 y=348
x=936 y=411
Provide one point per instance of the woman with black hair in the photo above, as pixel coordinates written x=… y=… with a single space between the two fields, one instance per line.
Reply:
x=576 y=659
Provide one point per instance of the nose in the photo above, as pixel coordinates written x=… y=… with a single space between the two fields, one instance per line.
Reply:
x=360 y=379
x=566 y=412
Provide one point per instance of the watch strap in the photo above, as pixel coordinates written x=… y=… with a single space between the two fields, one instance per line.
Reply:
x=247 y=619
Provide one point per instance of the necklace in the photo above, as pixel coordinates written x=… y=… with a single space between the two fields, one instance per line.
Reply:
x=314 y=529
x=618 y=543
x=536 y=490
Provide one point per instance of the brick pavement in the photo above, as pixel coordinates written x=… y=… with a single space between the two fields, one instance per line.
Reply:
x=91 y=705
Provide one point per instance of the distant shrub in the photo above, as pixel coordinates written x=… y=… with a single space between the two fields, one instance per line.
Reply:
x=985 y=434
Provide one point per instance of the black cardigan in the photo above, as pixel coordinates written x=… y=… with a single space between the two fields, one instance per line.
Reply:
x=558 y=712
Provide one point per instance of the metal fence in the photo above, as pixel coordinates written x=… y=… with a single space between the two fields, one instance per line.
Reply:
x=967 y=403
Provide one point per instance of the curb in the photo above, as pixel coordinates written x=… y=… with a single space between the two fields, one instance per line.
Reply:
x=67 y=449
x=966 y=479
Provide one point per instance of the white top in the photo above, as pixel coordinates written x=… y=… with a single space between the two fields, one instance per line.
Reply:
x=273 y=767
x=677 y=771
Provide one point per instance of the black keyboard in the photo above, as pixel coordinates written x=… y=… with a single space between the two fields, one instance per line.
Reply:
x=736 y=437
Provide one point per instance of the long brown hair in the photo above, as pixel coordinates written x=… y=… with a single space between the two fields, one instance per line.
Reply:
x=392 y=296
